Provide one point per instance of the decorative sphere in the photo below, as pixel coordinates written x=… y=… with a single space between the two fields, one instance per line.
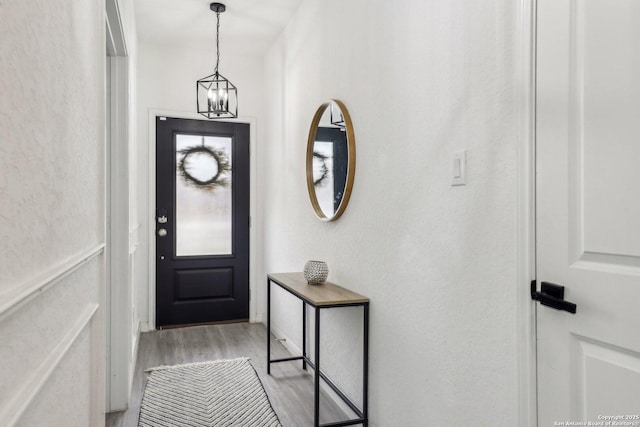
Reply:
x=316 y=272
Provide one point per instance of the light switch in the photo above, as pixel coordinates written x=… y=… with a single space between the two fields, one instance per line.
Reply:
x=458 y=168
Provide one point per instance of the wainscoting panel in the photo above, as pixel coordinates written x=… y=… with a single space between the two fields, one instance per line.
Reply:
x=14 y=298
x=51 y=358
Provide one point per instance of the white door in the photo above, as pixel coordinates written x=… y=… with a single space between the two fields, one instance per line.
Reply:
x=588 y=209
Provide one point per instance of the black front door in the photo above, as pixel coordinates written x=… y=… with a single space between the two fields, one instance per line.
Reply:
x=202 y=221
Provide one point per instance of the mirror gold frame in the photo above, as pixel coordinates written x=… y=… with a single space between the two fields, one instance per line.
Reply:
x=351 y=164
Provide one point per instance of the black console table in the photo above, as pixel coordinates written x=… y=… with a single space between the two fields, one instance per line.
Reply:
x=326 y=295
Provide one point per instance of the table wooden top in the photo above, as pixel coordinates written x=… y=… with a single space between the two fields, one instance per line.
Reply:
x=318 y=295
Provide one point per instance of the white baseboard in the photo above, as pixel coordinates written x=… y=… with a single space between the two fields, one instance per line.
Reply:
x=144 y=327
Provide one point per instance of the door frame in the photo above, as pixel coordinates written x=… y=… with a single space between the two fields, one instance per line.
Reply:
x=121 y=330
x=253 y=230
x=525 y=85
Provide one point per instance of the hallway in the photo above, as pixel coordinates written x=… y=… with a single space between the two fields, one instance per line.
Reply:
x=488 y=154
x=289 y=390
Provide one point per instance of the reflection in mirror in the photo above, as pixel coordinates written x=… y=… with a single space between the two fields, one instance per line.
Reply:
x=329 y=167
x=330 y=160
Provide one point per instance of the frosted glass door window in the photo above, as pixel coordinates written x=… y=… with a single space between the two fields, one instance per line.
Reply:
x=203 y=195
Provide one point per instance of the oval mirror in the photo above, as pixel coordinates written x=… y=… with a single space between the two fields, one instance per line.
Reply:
x=331 y=160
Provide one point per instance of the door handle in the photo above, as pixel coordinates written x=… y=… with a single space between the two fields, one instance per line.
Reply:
x=552 y=295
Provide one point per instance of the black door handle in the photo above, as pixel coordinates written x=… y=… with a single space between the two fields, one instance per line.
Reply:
x=552 y=295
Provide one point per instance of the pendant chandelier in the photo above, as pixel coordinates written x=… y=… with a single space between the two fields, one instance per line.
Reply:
x=217 y=97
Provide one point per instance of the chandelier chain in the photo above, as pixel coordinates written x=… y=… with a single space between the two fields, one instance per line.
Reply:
x=217 y=41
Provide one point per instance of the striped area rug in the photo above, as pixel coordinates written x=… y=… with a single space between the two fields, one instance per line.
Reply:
x=221 y=393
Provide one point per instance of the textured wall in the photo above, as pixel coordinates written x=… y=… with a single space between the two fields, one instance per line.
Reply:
x=421 y=80
x=51 y=205
x=52 y=135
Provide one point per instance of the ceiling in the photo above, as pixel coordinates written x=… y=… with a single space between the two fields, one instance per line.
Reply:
x=247 y=27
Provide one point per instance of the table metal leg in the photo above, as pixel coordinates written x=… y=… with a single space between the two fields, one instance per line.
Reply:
x=316 y=373
x=304 y=335
x=365 y=367
x=363 y=415
x=268 y=327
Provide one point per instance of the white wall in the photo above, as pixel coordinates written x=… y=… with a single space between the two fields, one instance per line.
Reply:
x=421 y=80
x=52 y=187
x=166 y=81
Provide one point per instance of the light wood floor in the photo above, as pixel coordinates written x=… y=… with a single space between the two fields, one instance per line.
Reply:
x=290 y=389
